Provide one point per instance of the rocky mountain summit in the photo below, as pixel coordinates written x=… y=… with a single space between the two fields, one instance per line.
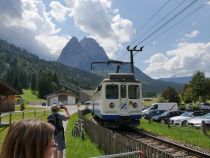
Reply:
x=80 y=54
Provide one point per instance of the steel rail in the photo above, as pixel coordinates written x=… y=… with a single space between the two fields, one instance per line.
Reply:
x=176 y=145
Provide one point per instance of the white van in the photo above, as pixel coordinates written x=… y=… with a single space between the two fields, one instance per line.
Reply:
x=160 y=106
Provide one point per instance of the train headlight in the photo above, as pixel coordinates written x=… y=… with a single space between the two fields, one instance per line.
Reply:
x=134 y=105
x=111 y=105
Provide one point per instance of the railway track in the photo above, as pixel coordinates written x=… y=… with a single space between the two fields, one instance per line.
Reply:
x=174 y=149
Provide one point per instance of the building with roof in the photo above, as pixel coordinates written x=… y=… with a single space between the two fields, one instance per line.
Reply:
x=7 y=97
x=62 y=97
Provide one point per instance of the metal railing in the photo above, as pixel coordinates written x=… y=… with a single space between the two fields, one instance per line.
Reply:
x=140 y=153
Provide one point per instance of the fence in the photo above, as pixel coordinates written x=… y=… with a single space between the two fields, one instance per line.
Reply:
x=139 y=153
x=112 y=143
x=7 y=118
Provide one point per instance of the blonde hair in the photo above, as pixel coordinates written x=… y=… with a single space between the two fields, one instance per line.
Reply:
x=28 y=139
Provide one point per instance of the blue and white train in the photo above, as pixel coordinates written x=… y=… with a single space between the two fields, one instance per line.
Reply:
x=117 y=102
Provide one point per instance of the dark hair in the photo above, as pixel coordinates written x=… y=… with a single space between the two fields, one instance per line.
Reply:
x=28 y=139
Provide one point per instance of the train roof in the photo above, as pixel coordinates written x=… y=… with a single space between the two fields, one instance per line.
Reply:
x=121 y=77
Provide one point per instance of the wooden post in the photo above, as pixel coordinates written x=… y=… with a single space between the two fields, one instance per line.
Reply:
x=0 y=117
x=23 y=114
x=204 y=128
x=34 y=113
x=10 y=118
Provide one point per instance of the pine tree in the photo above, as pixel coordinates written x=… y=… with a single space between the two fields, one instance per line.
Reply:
x=33 y=82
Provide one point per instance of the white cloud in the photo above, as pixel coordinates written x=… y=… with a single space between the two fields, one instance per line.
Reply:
x=58 y=11
x=27 y=29
x=53 y=42
x=106 y=3
x=192 y=34
x=100 y=21
x=183 y=61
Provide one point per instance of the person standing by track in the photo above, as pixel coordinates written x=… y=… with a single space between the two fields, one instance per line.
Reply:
x=56 y=120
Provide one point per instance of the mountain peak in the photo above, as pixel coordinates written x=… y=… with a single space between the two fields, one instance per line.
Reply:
x=89 y=40
x=72 y=41
x=75 y=52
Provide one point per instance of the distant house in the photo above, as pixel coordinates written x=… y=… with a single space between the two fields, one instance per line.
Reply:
x=7 y=97
x=84 y=95
x=63 y=97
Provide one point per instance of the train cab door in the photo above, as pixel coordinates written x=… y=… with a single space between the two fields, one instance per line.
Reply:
x=123 y=105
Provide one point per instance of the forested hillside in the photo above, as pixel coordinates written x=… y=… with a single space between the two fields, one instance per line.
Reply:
x=25 y=70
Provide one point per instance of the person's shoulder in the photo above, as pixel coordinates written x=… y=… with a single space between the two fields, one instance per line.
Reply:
x=62 y=117
x=50 y=115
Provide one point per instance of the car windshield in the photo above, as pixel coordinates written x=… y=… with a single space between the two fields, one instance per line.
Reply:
x=206 y=116
x=165 y=113
x=187 y=114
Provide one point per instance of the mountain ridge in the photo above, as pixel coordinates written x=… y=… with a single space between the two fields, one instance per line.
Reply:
x=182 y=80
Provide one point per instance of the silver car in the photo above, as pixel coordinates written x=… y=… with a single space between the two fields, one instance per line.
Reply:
x=197 y=121
x=181 y=119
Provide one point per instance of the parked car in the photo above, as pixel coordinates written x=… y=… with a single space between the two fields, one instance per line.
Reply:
x=184 y=117
x=163 y=118
x=44 y=104
x=197 y=121
x=205 y=106
x=160 y=106
x=153 y=113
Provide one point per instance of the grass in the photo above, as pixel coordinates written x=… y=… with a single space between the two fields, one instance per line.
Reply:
x=148 y=103
x=17 y=117
x=182 y=134
x=76 y=148
x=28 y=96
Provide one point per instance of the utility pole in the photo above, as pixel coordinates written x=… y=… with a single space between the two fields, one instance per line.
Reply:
x=131 y=55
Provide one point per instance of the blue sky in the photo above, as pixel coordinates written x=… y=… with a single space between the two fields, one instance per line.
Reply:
x=44 y=27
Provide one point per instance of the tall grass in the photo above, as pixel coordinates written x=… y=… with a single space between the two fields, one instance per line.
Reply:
x=76 y=148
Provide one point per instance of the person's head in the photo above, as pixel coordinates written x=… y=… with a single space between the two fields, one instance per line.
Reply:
x=55 y=108
x=29 y=139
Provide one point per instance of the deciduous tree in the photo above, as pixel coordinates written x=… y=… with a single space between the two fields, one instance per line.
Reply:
x=171 y=95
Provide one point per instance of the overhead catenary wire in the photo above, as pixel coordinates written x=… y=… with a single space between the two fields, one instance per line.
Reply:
x=159 y=21
x=142 y=27
x=171 y=19
x=163 y=32
x=168 y=21
x=155 y=14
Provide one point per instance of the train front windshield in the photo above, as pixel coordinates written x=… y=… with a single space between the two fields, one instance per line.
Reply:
x=112 y=91
x=134 y=91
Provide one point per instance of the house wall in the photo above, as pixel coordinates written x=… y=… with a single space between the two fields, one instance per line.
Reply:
x=53 y=100
x=7 y=103
x=71 y=100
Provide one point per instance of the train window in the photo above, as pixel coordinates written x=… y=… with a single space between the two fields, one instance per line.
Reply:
x=123 y=91
x=134 y=91
x=111 y=91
